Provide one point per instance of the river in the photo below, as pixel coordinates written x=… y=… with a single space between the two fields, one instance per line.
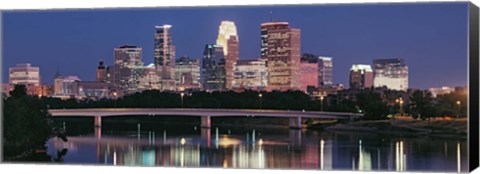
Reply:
x=187 y=145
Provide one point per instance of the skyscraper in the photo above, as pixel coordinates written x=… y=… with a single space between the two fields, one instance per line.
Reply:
x=164 y=56
x=325 y=68
x=213 y=68
x=187 y=72
x=283 y=56
x=392 y=73
x=24 y=74
x=228 y=39
x=361 y=76
x=309 y=75
x=128 y=68
x=101 y=72
x=265 y=27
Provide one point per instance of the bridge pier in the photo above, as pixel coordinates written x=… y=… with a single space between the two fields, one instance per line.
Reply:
x=295 y=138
x=206 y=136
x=205 y=122
x=295 y=122
x=97 y=121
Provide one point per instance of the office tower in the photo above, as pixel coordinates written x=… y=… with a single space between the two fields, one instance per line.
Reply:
x=325 y=68
x=392 y=73
x=361 y=76
x=250 y=74
x=150 y=78
x=325 y=71
x=101 y=71
x=164 y=56
x=283 y=56
x=265 y=27
x=309 y=75
x=187 y=73
x=24 y=74
x=127 y=68
x=228 y=39
x=213 y=68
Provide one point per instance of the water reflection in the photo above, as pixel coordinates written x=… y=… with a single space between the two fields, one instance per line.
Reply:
x=259 y=149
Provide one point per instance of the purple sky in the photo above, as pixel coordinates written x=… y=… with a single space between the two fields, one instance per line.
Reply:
x=431 y=37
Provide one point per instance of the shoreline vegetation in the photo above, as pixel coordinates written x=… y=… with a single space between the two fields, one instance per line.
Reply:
x=400 y=126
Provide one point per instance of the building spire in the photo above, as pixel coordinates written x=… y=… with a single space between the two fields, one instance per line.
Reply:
x=57 y=74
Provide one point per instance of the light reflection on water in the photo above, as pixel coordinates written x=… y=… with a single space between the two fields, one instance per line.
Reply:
x=293 y=150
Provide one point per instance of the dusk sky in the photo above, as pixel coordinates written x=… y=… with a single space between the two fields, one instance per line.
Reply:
x=431 y=37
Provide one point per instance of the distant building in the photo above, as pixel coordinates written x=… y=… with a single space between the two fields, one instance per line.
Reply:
x=24 y=74
x=66 y=87
x=164 y=56
x=149 y=79
x=94 y=89
x=213 y=68
x=128 y=68
x=309 y=75
x=392 y=73
x=325 y=68
x=187 y=73
x=441 y=91
x=228 y=39
x=250 y=74
x=361 y=76
x=101 y=72
x=283 y=56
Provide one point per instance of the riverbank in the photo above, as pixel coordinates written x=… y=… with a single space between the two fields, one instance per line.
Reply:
x=444 y=128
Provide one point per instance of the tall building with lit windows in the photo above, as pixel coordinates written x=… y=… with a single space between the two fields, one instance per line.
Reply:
x=24 y=74
x=392 y=73
x=164 y=56
x=361 y=76
x=250 y=74
x=265 y=27
x=213 y=68
x=128 y=67
x=228 y=39
x=325 y=68
x=283 y=56
x=187 y=73
x=101 y=72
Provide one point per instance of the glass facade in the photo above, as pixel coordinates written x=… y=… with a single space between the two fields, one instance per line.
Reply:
x=213 y=68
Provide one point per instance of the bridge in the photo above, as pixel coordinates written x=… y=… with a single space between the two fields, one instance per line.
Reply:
x=205 y=114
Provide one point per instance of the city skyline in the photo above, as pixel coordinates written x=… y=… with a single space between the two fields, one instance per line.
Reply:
x=417 y=45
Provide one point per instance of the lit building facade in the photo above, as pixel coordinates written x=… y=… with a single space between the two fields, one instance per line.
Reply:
x=128 y=68
x=392 y=73
x=24 y=74
x=250 y=74
x=441 y=91
x=66 y=87
x=94 y=89
x=309 y=75
x=187 y=73
x=164 y=56
x=228 y=39
x=325 y=68
x=283 y=58
x=265 y=27
x=213 y=68
x=361 y=76
x=150 y=78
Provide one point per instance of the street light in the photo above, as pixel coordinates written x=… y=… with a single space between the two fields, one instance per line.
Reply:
x=115 y=101
x=260 y=95
x=321 y=103
x=400 y=103
x=181 y=96
x=459 y=108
